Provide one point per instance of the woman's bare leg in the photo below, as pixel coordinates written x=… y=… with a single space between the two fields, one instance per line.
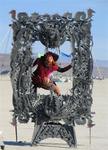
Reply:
x=56 y=89
x=51 y=86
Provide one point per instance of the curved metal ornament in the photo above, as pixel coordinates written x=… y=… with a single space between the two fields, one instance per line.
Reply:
x=52 y=31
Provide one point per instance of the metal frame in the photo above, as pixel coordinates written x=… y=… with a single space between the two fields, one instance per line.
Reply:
x=52 y=31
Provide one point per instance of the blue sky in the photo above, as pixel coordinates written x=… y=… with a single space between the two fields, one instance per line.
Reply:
x=99 y=24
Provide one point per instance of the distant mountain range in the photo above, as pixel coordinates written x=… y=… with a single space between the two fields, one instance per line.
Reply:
x=4 y=61
x=100 y=66
x=101 y=63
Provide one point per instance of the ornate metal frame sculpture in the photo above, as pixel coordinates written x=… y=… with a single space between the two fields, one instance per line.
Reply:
x=47 y=111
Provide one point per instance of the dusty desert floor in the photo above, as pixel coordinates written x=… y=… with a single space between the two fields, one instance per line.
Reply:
x=99 y=133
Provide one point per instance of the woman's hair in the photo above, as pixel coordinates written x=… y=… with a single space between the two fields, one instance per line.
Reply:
x=43 y=59
x=55 y=56
x=54 y=62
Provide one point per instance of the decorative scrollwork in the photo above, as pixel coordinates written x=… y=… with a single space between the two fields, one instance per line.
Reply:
x=52 y=31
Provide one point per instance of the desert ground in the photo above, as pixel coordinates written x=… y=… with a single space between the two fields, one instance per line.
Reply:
x=99 y=133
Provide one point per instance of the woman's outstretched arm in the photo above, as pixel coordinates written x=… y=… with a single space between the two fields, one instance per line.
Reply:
x=64 y=69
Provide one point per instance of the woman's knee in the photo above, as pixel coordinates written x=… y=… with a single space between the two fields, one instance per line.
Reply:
x=51 y=86
x=57 y=90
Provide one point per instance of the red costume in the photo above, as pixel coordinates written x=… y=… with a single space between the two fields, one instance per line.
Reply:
x=43 y=70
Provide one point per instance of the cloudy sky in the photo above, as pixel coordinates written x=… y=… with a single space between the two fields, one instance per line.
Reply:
x=99 y=24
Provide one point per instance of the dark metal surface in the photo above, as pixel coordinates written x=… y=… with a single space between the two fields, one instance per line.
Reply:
x=54 y=130
x=52 y=31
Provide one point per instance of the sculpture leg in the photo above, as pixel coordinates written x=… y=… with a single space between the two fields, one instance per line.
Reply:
x=54 y=130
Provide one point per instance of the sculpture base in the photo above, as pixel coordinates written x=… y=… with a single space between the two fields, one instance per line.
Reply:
x=54 y=130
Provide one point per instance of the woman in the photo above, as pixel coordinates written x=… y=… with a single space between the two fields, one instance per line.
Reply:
x=46 y=65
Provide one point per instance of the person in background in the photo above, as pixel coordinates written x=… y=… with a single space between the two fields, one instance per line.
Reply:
x=45 y=66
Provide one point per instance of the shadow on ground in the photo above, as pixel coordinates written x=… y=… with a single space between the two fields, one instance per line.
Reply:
x=23 y=143
x=19 y=143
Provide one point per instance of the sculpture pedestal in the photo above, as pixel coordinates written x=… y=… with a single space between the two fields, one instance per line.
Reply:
x=54 y=130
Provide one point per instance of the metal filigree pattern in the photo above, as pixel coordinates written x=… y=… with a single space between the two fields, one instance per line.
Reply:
x=52 y=31
x=57 y=130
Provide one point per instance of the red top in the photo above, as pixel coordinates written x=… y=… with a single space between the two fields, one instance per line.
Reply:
x=42 y=71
